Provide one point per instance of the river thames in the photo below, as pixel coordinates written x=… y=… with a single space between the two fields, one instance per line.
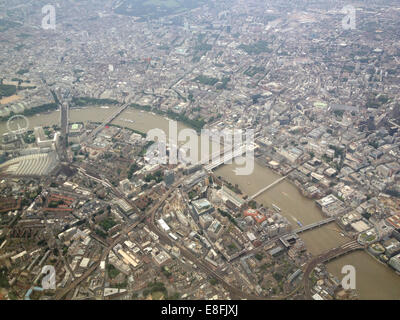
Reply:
x=373 y=279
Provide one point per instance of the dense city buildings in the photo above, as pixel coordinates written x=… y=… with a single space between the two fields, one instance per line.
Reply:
x=88 y=194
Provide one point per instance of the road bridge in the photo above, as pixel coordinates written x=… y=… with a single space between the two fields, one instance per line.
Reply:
x=314 y=225
x=226 y=158
x=94 y=133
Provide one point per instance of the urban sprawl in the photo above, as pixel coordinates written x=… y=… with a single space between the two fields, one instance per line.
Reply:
x=84 y=199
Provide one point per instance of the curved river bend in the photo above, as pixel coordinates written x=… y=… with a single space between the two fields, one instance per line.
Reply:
x=373 y=279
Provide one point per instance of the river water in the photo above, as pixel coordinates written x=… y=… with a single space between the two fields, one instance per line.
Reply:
x=373 y=279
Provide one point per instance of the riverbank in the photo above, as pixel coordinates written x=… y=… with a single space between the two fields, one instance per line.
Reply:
x=144 y=135
x=196 y=124
x=10 y=99
x=373 y=280
x=295 y=183
x=383 y=263
x=32 y=111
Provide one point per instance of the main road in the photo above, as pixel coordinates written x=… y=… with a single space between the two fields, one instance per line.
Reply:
x=149 y=220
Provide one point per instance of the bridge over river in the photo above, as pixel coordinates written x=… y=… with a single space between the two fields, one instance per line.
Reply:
x=326 y=257
x=273 y=184
x=314 y=225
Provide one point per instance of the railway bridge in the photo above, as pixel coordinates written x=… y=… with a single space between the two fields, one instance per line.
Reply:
x=326 y=257
x=314 y=225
